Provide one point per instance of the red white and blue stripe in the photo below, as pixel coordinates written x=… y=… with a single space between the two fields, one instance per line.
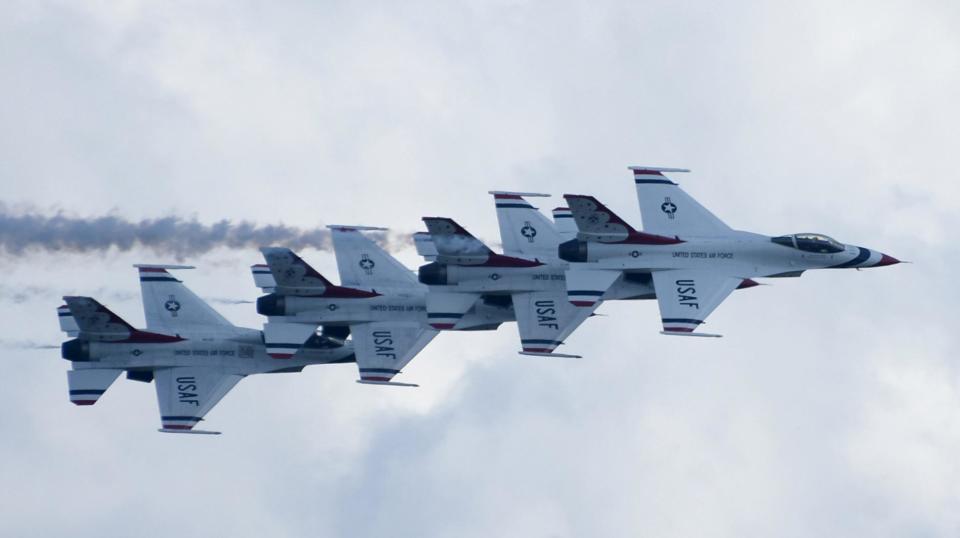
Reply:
x=155 y=274
x=681 y=325
x=584 y=298
x=85 y=396
x=443 y=320
x=536 y=345
x=378 y=374
x=179 y=422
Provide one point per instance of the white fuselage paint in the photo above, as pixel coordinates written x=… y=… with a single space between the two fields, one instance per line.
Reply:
x=243 y=353
x=392 y=305
x=548 y=277
x=742 y=254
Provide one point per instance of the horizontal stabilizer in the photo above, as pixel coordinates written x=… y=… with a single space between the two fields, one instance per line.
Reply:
x=563 y=222
x=67 y=323
x=87 y=385
x=445 y=310
x=585 y=287
x=423 y=241
x=283 y=340
x=263 y=278
x=201 y=432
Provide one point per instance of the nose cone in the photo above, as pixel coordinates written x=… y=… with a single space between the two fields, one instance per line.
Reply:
x=886 y=260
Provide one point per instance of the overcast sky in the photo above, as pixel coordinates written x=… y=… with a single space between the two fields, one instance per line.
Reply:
x=830 y=408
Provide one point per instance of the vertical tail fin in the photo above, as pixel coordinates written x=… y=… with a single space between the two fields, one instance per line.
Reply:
x=667 y=210
x=97 y=322
x=171 y=307
x=455 y=244
x=362 y=262
x=524 y=230
x=292 y=275
x=596 y=222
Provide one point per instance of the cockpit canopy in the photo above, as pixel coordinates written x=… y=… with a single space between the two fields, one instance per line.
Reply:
x=819 y=243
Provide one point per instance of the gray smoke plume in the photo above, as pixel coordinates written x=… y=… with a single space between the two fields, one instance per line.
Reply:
x=177 y=236
x=26 y=344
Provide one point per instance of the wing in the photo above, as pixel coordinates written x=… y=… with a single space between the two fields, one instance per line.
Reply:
x=546 y=318
x=667 y=210
x=187 y=393
x=383 y=348
x=362 y=262
x=687 y=297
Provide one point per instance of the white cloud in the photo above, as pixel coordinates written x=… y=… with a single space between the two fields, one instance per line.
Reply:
x=830 y=408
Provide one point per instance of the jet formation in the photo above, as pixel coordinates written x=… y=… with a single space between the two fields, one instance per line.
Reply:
x=550 y=277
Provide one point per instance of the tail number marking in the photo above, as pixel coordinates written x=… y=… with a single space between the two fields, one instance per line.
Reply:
x=687 y=293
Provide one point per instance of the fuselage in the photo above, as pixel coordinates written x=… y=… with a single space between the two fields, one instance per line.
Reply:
x=744 y=254
x=242 y=352
x=389 y=305
x=506 y=280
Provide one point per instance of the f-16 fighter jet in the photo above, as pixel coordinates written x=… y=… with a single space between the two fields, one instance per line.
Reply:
x=194 y=354
x=528 y=274
x=692 y=257
x=379 y=303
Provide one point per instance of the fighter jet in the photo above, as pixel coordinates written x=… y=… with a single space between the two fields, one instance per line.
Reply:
x=693 y=259
x=379 y=303
x=192 y=352
x=529 y=275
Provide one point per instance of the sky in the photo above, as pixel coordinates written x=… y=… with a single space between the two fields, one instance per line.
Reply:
x=830 y=408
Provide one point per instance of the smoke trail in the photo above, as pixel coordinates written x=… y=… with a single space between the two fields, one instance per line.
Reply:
x=24 y=294
x=177 y=236
x=226 y=301
x=26 y=344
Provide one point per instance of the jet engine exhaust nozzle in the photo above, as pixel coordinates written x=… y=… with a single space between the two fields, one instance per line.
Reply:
x=573 y=250
x=433 y=274
x=76 y=350
x=272 y=305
